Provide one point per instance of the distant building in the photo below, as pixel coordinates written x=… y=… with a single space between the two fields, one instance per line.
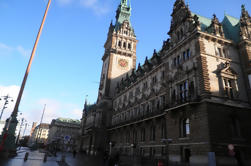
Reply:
x=40 y=134
x=64 y=131
x=34 y=124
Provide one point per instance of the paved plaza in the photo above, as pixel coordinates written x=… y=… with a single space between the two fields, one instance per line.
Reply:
x=36 y=159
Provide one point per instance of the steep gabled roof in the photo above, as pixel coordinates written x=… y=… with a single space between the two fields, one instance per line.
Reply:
x=204 y=22
x=231 y=27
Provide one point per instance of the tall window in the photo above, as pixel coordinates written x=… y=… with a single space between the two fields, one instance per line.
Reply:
x=218 y=52
x=249 y=78
x=128 y=137
x=153 y=105
x=143 y=134
x=173 y=95
x=134 y=136
x=188 y=53
x=152 y=133
x=163 y=101
x=163 y=130
x=129 y=46
x=174 y=61
x=191 y=89
x=184 y=56
x=228 y=87
x=183 y=91
x=154 y=80
x=145 y=85
x=119 y=44
x=124 y=44
x=178 y=60
x=235 y=126
x=185 y=127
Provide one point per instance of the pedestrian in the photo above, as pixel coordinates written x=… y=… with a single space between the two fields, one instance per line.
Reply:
x=74 y=153
x=116 y=159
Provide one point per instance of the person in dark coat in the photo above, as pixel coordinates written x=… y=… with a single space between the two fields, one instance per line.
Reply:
x=74 y=153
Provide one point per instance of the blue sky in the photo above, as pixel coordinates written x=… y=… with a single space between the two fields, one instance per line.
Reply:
x=68 y=63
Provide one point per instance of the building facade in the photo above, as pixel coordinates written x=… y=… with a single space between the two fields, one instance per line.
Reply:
x=188 y=103
x=62 y=130
x=40 y=134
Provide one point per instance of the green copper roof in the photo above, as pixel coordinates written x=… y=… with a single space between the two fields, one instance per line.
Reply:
x=67 y=120
x=204 y=22
x=123 y=12
x=231 y=28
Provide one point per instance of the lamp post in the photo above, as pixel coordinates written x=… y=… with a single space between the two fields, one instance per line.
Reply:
x=9 y=146
x=6 y=98
x=22 y=121
x=110 y=150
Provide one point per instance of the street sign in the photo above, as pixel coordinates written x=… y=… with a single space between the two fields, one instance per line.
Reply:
x=67 y=138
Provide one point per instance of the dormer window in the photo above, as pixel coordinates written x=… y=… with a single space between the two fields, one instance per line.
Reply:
x=228 y=87
x=125 y=32
x=228 y=82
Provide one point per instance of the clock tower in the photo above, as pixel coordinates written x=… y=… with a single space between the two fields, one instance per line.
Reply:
x=120 y=51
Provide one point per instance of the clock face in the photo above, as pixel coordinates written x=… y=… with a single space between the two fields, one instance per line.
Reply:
x=123 y=63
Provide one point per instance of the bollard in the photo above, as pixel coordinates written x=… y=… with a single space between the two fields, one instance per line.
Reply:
x=45 y=157
x=26 y=156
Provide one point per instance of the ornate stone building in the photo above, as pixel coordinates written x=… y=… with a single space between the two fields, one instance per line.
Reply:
x=61 y=128
x=188 y=103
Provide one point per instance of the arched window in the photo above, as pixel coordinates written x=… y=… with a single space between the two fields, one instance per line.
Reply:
x=129 y=46
x=185 y=127
x=124 y=44
x=119 y=44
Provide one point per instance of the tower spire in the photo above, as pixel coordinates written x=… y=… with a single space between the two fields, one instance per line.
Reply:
x=123 y=12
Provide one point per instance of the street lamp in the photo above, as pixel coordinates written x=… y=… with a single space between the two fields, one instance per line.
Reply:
x=110 y=150
x=6 y=98
x=9 y=146
x=22 y=121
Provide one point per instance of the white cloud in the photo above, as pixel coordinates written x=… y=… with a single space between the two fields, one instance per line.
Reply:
x=23 y=51
x=6 y=50
x=54 y=109
x=98 y=7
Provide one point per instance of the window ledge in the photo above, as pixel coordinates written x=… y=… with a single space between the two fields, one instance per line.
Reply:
x=238 y=139
x=184 y=138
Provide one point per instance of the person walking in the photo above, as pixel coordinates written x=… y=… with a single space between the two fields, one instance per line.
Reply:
x=74 y=153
